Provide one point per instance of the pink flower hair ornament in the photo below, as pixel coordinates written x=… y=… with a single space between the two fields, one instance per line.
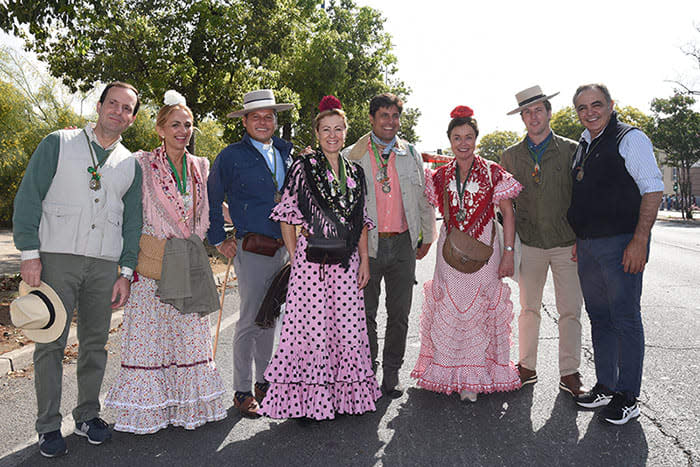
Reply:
x=329 y=103
x=461 y=111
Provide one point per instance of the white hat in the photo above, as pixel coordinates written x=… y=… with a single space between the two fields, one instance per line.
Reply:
x=528 y=97
x=259 y=100
x=39 y=312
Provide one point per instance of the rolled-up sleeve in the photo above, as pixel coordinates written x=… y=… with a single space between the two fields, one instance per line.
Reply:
x=638 y=152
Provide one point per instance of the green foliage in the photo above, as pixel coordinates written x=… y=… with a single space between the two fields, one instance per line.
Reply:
x=209 y=139
x=492 y=145
x=142 y=133
x=565 y=123
x=677 y=132
x=213 y=52
x=635 y=117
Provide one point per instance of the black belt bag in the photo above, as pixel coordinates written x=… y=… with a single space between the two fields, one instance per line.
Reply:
x=323 y=250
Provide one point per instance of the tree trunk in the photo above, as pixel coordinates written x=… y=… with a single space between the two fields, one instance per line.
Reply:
x=685 y=191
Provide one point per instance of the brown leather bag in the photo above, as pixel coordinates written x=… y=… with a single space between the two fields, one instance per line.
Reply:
x=460 y=250
x=261 y=244
x=150 y=259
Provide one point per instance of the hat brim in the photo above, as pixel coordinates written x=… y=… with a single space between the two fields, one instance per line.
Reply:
x=242 y=112
x=522 y=107
x=44 y=336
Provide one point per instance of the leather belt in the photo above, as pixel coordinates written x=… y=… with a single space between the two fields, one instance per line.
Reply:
x=389 y=234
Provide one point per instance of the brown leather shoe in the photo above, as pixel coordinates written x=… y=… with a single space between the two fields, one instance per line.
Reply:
x=246 y=404
x=527 y=376
x=261 y=391
x=572 y=384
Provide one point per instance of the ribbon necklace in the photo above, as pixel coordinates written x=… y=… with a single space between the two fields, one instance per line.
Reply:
x=461 y=187
x=589 y=151
x=181 y=183
x=382 y=166
x=342 y=178
x=536 y=151
x=95 y=183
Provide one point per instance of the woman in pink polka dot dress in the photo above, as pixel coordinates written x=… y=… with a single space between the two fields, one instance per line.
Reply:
x=465 y=324
x=322 y=365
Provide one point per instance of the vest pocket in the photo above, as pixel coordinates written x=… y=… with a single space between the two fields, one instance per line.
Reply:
x=58 y=230
x=112 y=239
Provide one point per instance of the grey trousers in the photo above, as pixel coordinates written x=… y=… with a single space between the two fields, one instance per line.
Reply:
x=86 y=284
x=251 y=343
x=396 y=264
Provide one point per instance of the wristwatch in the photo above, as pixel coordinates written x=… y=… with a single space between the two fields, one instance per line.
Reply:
x=128 y=275
x=508 y=248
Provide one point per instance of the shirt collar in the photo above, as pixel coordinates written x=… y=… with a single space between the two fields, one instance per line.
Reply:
x=90 y=131
x=262 y=147
x=537 y=147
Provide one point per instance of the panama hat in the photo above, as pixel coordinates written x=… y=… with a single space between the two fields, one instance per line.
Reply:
x=528 y=97
x=259 y=100
x=39 y=313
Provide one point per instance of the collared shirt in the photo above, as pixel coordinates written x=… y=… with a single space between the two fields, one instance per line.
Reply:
x=391 y=216
x=270 y=153
x=638 y=152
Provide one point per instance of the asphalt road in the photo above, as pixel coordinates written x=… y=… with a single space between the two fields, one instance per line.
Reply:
x=538 y=425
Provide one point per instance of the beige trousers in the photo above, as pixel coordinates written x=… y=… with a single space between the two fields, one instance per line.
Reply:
x=534 y=265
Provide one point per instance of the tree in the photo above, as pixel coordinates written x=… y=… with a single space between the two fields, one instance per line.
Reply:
x=214 y=51
x=565 y=123
x=677 y=132
x=692 y=51
x=492 y=145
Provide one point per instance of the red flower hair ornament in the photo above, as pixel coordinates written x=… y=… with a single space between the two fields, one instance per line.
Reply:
x=329 y=103
x=461 y=111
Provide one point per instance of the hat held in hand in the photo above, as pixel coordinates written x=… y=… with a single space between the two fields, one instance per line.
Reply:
x=39 y=313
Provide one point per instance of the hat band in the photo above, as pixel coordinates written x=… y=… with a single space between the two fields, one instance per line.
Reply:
x=49 y=306
x=258 y=100
x=531 y=99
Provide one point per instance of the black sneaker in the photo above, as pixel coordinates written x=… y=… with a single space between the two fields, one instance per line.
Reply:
x=620 y=410
x=52 y=444
x=96 y=430
x=596 y=397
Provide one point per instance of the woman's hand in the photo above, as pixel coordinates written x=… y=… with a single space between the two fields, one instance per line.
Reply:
x=507 y=266
x=363 y=273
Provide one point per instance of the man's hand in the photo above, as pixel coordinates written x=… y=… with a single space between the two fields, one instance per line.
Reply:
x=423 y=250
x=30 y=269
x=228 y=248
x=574 y=256
x=120 y=292
x=635 y=256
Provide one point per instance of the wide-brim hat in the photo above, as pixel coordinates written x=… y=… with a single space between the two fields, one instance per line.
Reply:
x=528 y=97
x=259 y=100
x=39 y=313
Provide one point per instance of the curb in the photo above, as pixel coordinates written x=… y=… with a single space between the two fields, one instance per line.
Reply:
x=23 y=358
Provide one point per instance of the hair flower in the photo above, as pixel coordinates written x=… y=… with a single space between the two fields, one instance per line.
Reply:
x=173 y=97
x=461 y=111
x=329 y=103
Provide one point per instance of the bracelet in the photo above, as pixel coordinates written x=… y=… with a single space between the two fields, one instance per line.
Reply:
x=508 y=248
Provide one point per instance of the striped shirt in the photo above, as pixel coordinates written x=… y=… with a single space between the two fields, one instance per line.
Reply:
x=638 y=152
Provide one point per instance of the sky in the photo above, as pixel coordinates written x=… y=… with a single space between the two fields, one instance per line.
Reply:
x=481 y=53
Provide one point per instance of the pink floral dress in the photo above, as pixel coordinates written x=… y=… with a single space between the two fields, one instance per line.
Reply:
x=465 y=325
x=167 y=374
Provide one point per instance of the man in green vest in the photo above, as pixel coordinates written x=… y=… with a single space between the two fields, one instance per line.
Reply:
x=541 y=162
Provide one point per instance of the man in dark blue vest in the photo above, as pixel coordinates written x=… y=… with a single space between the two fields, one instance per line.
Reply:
x=617 y=189
x=250 y=174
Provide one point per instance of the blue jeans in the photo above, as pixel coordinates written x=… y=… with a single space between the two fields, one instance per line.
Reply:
x=612 y=299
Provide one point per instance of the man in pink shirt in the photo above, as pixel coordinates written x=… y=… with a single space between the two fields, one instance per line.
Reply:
x=405 y=223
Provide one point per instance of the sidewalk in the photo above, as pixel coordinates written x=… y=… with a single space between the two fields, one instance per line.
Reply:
x=9 y=256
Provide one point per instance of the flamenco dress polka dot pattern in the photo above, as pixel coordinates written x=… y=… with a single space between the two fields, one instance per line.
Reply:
x=466 y=320
x=322 y=365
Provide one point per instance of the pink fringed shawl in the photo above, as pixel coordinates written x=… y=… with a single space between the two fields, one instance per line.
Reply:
x=164 y=214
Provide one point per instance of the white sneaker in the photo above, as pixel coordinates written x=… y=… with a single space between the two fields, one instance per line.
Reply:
x=464 y=395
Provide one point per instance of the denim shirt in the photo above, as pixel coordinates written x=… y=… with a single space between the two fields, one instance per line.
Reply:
x=241 y=176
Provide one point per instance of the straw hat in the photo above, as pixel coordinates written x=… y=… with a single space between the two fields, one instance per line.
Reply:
x=259 y=100
x=528 y=97
x=39 y=312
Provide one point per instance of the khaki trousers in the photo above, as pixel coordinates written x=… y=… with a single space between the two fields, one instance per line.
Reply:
x=534 y=265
